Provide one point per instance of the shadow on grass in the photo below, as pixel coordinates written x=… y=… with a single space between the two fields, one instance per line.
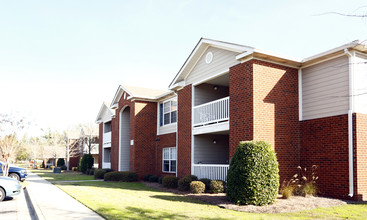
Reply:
x=175 y=198
x=143 y=213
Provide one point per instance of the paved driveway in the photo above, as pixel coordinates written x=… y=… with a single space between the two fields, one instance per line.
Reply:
x=14 y=208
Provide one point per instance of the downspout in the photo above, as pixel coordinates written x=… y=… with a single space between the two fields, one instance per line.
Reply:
x=177 y=135
x=350 y=124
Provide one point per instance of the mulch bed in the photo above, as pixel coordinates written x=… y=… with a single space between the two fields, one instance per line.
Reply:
x=294 y=204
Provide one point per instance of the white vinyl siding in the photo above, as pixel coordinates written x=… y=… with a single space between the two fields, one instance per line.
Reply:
x=206 y=152
x=125 y=140
x=222 y=60
x=360 y=84
x=169 y=160
x=325 y=89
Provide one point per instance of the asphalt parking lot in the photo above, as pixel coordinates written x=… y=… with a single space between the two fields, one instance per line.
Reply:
x=15 y=208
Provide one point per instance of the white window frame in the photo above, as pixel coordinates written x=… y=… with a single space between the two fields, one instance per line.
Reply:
x=169 y=159
x=168 y=112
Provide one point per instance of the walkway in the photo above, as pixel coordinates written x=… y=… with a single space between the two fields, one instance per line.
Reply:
x=50 y=202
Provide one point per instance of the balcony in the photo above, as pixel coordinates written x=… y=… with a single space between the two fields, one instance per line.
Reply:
x=107 y=139
x=211 y=171
x=211 y=114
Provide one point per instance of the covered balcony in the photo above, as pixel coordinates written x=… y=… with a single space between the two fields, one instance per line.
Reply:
x=211 y=106
x=211 y=156
x=107 y=134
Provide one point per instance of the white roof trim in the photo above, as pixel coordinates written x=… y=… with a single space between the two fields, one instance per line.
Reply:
x=101 y=110
x=207 y=42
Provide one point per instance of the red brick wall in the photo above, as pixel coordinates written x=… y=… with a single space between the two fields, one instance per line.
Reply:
x=184 y=131
x=360 y=156
x=240 y=105
x=325 y=144
x=100 y=145
x=145 y=129
x=264 y=106
x=166 y=140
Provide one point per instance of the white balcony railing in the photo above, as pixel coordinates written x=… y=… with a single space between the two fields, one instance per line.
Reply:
x=106 y=138
x=211 y=171
x=212 y=112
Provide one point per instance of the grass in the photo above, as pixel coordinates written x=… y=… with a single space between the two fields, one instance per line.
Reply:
x=117 y=200
x=64 y=176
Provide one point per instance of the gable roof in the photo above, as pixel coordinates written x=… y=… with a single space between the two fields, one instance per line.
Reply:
x=198 y=51
x=139 y=93
x=104 y=108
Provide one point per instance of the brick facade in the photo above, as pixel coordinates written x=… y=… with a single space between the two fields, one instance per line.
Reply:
x=264 y=106
x=360 y=156
x=184 y=131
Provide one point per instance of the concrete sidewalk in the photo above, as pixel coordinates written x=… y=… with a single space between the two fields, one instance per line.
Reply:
x=50 y=202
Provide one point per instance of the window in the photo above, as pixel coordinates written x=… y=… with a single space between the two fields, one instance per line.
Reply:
x=167 y=112
x=169 y=159
x=107 y=127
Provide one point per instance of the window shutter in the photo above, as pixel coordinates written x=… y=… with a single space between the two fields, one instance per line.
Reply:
x=161 y=114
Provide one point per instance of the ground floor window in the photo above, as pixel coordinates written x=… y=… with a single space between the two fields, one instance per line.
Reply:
x=169 y=159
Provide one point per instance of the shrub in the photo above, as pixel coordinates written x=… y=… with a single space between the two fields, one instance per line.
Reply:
x=206 y=181
x=80 y=165
x=217 y=186
x=153 y=179
x=60 y=162
x=146 y=177
x=90 y=171
x=63 y=167
x=184 y=182
x=197 y=187
x=160 y=180
x=52 y=167
x=170 y=181
x=253 y=177
x=86 y=162
x=74 y=168
x=121 y=176
x=99 y=173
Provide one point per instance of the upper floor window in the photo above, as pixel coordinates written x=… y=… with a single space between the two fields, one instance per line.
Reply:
x=168 y=112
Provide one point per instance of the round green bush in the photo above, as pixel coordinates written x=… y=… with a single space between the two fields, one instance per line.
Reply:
x=99 y=173
x=253 y=177
x=153 y=179
x=184 y=182
x=86 y=162
x=60 y=162
x=170 y=181
x=197 y=187
x=146 y=177
x=206 y=181
x=121 y=176
x=217 y=186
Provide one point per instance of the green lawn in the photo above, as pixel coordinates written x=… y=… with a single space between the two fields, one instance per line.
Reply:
x=50 y=176
x=135 y=201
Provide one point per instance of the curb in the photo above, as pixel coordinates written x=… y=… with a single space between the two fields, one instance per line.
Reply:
x=34 y=210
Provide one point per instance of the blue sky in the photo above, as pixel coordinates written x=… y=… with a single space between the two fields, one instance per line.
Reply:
x=60 y=59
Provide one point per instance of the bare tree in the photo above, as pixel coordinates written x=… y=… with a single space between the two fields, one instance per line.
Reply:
x=10 y=126
x=89 y=135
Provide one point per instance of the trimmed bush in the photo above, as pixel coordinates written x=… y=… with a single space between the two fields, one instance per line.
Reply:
x=197 y=187
x=121 y=176
x=160 y=180
x=74 y=168
x=217 y=186
x=86 y=163
x=99 y=173
x=206 y=181
x=60 y=162
x=170 y=181
x=153 y=179
x=184 y=182
x=80 y=165
x=253 y=177
x=146 y=177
